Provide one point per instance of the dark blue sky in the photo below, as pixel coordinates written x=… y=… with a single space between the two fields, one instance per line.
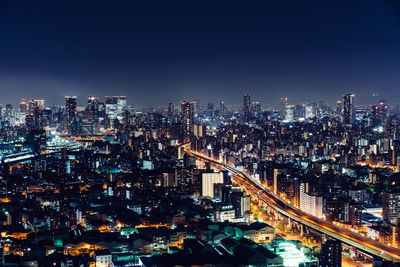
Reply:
x=160 y=51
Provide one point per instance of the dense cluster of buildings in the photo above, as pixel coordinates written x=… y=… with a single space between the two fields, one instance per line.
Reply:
x=101 y=184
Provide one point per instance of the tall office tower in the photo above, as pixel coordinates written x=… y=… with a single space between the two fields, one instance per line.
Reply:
x=171 y=110
x=246 y=106
x=87 y=125
x=102 y=115
x=222 y=108
x=70 y=118
x=391 y=207
x=93 y=104
x=187 y=118
x=331 y=254
x=126 y=121
x=207 y=183
x=289 y=113
x=284 y=103
x=338 y=108
x=300 y=111
x=309 y=112
x=38 y=119
x=48 y=120
x=115 y=106
x=348 y=109
x=39 y=103
x=9 y=115
x=23 y=106
x=379 y=115
x=256 y=109
x=93 y=113
x=31 y=106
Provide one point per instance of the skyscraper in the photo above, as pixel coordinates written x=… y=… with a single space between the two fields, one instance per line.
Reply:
x=379 y=115
x=38 y=120
x=284 y=103
x=70 y=118
x=171 y=110
x=9 y=115
x=23 y=106
x=246 y=106
x=115 y=106
x=339 y=108
x=289 y=113
x=187 y=118
x=93 y=113
x=348 y=109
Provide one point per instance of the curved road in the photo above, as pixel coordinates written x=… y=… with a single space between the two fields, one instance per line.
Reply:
x=365 y=244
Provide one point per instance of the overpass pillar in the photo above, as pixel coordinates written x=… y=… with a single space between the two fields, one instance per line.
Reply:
x=301 y=230
x=324 y=238
x=289 y=223
x=353 y=251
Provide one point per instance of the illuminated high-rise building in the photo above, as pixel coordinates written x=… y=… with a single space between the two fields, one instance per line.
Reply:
x=115 y=106
x=284 y=103
x=222 y=108
x=38 y=120
x=70 y=109
x=348 y=109
x=391 y=207
x=93 y=103
x=9 y=118
x=310 y=202
x=33 y=103
x=39 y=103
x=171 y=109
x=23 y=106
x=187 y=118
x=300 y=111
x=256 y=109
x=289 y=113
x=246 y=106
x=379 y=115
x=207 y=183
x=339 y=108
x=92 y=114
x=309 y=112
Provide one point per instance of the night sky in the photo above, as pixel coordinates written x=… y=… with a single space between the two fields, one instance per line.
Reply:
x=160 y=51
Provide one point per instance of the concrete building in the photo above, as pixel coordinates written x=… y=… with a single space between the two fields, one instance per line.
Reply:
x=208 y=180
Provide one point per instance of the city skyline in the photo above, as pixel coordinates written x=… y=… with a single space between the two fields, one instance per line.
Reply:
x=82 y=101
x=200 y=133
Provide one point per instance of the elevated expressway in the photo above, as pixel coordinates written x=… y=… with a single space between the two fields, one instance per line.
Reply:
x=266 y=196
